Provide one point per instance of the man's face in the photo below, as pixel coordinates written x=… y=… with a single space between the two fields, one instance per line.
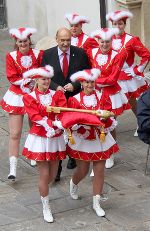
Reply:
x=63 y=39
x=76 y=29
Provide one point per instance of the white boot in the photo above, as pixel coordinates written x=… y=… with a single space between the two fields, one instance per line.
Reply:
x=73 y=190
x=33 y=163
x=92 y=173
x=47 y=210
x=136 y=133
x=13 y=167
x=96 y=206
x=109 y=162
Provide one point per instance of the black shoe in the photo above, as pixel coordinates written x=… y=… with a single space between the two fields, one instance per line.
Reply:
x=57 y=178
x=11 y=177
x=58 y=172
x=71 y=163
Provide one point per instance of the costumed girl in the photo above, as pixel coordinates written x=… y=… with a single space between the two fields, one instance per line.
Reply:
x=87 y=145
x=78 y=37
x=18 y=61
x=45 y=142
x=131 y=78
x=109 y=64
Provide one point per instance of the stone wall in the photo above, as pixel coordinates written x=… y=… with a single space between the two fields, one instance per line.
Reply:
x=47 y=17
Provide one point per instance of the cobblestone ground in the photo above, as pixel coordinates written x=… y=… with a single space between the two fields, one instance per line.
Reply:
x=128 y=206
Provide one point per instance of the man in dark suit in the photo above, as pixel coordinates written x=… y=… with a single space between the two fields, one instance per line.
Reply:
x=66 y=60
x=143 y=117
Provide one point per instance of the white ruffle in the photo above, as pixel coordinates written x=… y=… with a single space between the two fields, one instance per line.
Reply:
x=84 y=135
x=26 y=61
x=13 y=99
x=112 y=127
x=125 y=66
x=90 y=100
x=45 y=99
x=102 y=59
x=74 y=41
x=131 y=85
x=50 y=131
x=118 y=100
x=91 y=146
x=116 y=44
x=42 y=144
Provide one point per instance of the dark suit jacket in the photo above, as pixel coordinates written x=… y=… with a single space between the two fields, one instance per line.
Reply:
x=78 y=61
x=143 y=117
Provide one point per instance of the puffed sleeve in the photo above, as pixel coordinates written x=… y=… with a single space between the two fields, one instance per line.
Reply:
x=36 y=111
x=40 y=56
x=73 y=103
x=142 y=52
x=11 y=71
x=90 y=43
x=117 y=65
x=59 y=99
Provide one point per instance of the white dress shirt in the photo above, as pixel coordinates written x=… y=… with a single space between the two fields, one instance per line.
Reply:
x=60 y=55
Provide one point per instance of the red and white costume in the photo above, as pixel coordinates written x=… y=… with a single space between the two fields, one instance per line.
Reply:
x=109 y=64
x=87 y=145
x=45 y=141
x=16 y=65
x=81 y=39
x=38 y=146
x=131 y=78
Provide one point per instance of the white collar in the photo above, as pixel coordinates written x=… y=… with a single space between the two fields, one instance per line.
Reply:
x=60 y=52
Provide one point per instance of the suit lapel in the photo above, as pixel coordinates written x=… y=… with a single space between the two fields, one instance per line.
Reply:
x=71 y=61
x=57 y=62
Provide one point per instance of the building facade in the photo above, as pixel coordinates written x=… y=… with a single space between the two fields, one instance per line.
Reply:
x=47 y=16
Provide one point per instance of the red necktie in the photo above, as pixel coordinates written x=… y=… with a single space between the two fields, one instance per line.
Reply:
x=65 y=65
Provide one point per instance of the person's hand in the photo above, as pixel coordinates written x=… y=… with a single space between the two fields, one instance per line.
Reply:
x=58 y=124
x=22 y=85
x=60 y=88
x=69 y=87
x=75 y=127
x=50 y=132
x=129 y=71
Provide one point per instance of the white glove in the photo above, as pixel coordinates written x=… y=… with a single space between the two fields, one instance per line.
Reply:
x=58 y=124
x=75 y=127
x=65 y=134
x=18 y=82
x=22 y=85
x=50 y=132
x=129 y=71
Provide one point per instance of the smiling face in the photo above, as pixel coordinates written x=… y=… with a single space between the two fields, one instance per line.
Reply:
x=88 y=86
x=104 y=46
x=63 y=38
x=23 y=45
x=43 y=84
x=120 y=24
x=76 y=29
